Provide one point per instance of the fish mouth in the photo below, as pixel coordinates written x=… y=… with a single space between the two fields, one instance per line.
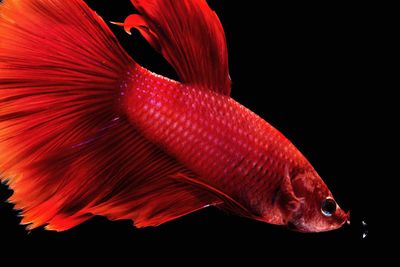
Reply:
x=346 y=218
x=343 y=218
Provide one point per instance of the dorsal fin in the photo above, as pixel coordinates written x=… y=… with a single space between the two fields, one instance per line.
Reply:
x=190 y=36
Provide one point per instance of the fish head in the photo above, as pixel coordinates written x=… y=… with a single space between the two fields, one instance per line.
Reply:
x=318 y=211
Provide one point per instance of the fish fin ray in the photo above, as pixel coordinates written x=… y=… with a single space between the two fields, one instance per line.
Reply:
x=162 y=201
x=119 y=175
x=227 y=202
x=60 y=72
x=191 y=38
x=67 y=150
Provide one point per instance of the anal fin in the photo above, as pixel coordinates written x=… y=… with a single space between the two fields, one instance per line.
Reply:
x=160 y=202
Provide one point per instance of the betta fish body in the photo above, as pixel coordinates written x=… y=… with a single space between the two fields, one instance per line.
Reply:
x=85 y=130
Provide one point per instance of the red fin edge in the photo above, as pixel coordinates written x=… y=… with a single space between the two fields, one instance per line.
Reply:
x=139 y=23
x=66 y=149
x=190 y=36
x=226 y=202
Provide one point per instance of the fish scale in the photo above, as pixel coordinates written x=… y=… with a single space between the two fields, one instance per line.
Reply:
x=212 y=125
x=85 y=131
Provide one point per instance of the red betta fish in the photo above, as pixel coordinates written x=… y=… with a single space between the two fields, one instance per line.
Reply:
x=85 y=130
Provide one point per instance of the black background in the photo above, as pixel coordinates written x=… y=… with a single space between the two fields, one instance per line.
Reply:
x=315 y=73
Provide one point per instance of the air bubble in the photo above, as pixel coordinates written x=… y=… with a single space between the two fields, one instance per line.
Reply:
x=364 y=229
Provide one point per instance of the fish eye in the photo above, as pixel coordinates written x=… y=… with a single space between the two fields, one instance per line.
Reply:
x=328 y=206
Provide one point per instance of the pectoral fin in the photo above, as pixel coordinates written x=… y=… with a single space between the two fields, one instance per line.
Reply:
x=288 y=200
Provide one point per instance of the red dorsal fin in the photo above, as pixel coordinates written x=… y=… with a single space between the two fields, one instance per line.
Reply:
x=190 y=36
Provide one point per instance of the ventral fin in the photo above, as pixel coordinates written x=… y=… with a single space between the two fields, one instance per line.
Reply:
x=190 y=37
x=227 y=202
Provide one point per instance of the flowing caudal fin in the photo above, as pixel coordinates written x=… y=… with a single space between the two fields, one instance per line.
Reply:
x=66 y=149
x=190 y=36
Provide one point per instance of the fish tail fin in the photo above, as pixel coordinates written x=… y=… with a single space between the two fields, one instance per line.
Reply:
x=66 y=147
x=190 y=37
x=60 y=70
